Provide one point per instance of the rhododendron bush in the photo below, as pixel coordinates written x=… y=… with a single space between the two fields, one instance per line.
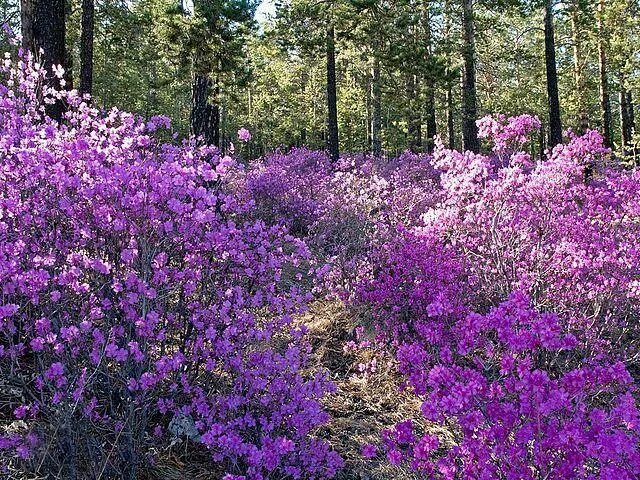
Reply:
x=505 y=285
x=512 y=312
x=151 y=289
x=135 y=296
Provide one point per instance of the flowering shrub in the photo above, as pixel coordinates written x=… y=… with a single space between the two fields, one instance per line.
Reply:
x=524 y=401
x=135 y=293
x=508 y=135
x=572 y=246
x=526 y=394
x=344 y=211
x=244 y=135
x=287 y=188
x=149 y=291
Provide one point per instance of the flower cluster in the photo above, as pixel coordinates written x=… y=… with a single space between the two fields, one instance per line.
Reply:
x=508 y=134
x=521 y=399
x=137 y=295
x=244 y=135
x=571 y=244
x=511 y=310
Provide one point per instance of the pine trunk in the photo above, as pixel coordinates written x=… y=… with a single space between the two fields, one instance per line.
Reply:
x=605 y=106
x=451 y=131
x=555 y=125
x=414 y=133
x=332 y=97
x=627 y=126
x=205 y=117
x=432 y=129
x=430 y=106
x=43 y=27
x=86 y=47
x=578 y=68
x=469 y=97
x=376 y=106
x=631 y=114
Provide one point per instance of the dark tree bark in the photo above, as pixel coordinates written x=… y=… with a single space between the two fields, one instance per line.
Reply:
x=469 y=96
x=430 y=106
x=43 y=27
x=555 y=125
x=205 y=117
x=627 y=121
x=605 y=105
x=451 y=132
x=578 y=67
x=432 y=129
x=332 y=97
x=376 y=107
x=414 y=133
x=632 y=117
x=86 y=47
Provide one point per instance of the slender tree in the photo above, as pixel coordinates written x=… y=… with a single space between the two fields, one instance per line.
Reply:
x=430 y=103
x=86 y=47
x=449 y=79
x=555 y=124
x=627 y=126
x=204 y=119
x=605 y=105
x=376 y=107
x=332 y=97
x=226 y=25
x=43 y=34
x=581 y=92
x=414 y=132
x=469 y=95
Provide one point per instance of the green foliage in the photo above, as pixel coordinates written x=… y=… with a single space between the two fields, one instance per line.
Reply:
x=272 y=79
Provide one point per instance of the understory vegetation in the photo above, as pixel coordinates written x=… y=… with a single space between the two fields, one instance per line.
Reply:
x=166 y=305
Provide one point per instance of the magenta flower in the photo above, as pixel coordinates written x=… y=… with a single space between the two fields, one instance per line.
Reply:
x=244 y=135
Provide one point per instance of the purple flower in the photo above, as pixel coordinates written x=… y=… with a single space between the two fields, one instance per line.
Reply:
x=244 y=135
x=369 y=450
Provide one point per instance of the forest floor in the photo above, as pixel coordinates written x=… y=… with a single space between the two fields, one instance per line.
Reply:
x=360 y=408
x=363 y=405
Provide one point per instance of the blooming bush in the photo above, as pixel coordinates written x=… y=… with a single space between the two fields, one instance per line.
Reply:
x=532 y=383
x=346 y=211
x=521 y=399
x=136 y=295
x=572 y=245
x=149 y=291
x=508 y=135
x=287 y=188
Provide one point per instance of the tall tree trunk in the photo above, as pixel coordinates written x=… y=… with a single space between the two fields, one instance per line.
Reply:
x=86 y=47
x=431 y=118
x=627 y=121
x=376 y=107
x=332 y=97
x=414 y=133
x=43 y=27
x=555 y=125
x=430 y=106
x=451 y=138
x=625 y=127
x=451 y=132
x=605 y=106
x=631 y=114
x=205 y=117
x=469 y=97
x=578 y=67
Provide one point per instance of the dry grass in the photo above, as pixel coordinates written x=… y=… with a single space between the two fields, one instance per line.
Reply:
x=363 y=405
